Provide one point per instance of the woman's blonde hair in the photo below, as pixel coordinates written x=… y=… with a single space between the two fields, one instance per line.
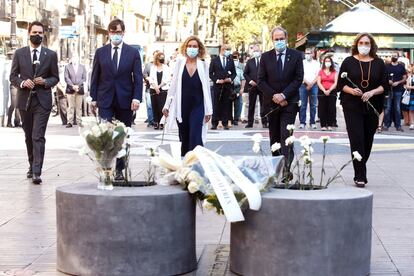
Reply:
x=201 y=47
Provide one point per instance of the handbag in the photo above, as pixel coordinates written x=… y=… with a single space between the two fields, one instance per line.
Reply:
x=406 y=97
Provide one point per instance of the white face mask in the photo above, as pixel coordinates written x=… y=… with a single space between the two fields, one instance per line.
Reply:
x=328 y=64
x=364 y=50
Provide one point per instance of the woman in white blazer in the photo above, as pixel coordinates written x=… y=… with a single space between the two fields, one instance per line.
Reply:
x=189 y=97
x=159 y=79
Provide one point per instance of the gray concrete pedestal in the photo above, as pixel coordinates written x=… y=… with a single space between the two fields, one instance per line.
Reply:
x=126 y=231
x=301 y=233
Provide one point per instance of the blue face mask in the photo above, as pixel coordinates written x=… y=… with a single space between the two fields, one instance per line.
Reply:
x=227 y=53
x=192 y=52
x=116 y=39
x=280 y=45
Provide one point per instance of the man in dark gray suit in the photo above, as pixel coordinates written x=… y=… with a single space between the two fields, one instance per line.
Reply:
x=35 y=71
x=75 y=76
x=279 y=78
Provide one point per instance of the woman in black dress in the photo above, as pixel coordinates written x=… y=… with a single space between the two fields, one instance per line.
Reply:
x=362 y=80
x=189 y=98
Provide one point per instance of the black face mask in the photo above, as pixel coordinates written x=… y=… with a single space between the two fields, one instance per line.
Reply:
x=36 y=39
x=162 y=60
x=394 y=59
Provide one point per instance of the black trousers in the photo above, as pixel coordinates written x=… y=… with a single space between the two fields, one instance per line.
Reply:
x=157 y=102
x=327 y=109
x=253 y=95
x=221 y=105
x=278 y=122
x=361 y=126
x=13 y=107
x=34 y=126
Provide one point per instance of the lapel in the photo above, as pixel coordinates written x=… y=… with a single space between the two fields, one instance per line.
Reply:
x=28 y=59
x=200 y=69
x=42 y=58
x=122 y=57
x=108 y=53
x=287 y=59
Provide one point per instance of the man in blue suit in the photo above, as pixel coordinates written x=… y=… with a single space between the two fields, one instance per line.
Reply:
x=116 y=82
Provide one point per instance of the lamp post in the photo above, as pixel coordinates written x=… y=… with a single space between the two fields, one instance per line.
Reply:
x=13 y=40
x=91 y=33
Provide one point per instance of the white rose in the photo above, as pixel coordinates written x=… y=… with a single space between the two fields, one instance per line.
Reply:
x=192 y=187
x=181 y=174
x=290 y=127
x=307 y=159
x=193 y=176
x=89 y=99
x=104 y=127
x=256 y=148
x=96 y=131
x=305 y=141
x=207 y=205
x=357 y=156
x=290 y=140
x=324 y=138
x=299 y=103
x=257 y=138
x=275 y=147
x=344 y=75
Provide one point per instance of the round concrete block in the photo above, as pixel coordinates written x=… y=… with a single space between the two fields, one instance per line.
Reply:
x=127 y=231
x=319 y=232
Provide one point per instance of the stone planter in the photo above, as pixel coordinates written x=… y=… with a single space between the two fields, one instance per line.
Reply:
x=126 y=231
x=319 y=232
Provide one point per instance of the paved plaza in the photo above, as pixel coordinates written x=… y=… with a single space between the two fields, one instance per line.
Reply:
x=28 y=213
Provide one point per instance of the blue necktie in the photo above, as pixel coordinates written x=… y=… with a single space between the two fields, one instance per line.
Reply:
x=279 y=63
x=224 y=62
x=115 y=59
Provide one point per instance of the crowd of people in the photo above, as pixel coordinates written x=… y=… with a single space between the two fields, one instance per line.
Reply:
x=194 y=90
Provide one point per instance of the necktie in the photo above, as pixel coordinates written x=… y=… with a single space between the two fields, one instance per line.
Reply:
x=257 y=62
x=34 y=59
x=115 y=58
x=224 y=62
x=279 y=63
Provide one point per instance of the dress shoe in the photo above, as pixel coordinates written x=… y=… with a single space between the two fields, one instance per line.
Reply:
x=359 y=184
x=119 y=176
x=226 y=128
x=213 y=128
x=9 y=125
x=29 y=173
x=69 y=125
x=400 y=129
x=249 y=126
x=235 y=123
x=265 y=125
x=36 y=179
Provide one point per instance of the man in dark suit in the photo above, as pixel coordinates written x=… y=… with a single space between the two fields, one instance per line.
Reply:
x=116 y=81
x=250 y=74
x=280 y=76
x=35 y=71
x=222 y=73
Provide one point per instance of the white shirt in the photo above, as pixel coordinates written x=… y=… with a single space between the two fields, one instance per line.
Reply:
x=311 y=70
x=221 y=60
x=119 y=52
x=38 y=50
x=283 y=57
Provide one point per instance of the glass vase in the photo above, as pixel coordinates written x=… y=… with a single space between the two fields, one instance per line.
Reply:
x=106 y=178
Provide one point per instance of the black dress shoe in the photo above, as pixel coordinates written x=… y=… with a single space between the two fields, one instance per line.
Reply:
x=36 y=179
x=119 y=176
x=68 y=125
x=213 y=127
x=29 y=174
x=9 y=125
x=236 y=123
x=359 y=184
x=226 y=128
x=265 y=125
x=249 y=126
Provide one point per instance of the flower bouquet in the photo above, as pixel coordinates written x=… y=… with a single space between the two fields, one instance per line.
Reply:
x=104 y=141
x=222 y=183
